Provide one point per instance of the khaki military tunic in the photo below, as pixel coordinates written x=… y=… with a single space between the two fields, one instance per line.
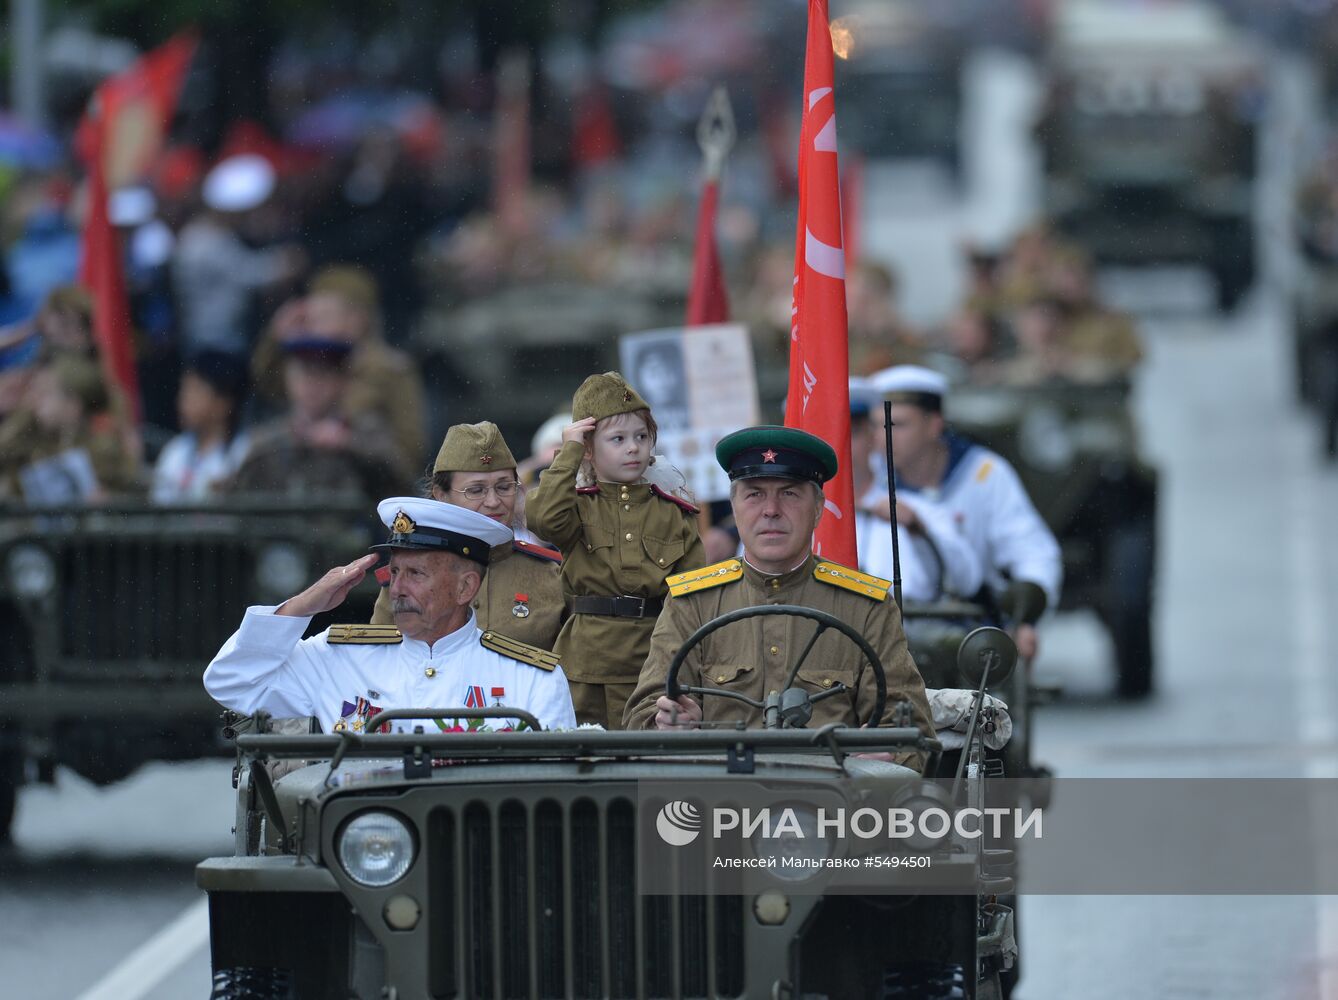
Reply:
x=615 y=540
x=521 y=597
x=754 y=657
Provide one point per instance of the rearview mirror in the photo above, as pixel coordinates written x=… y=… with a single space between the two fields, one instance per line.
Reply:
x=987 y=651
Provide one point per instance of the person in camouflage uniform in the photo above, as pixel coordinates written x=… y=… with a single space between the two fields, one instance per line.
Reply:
x=521 y=596
x=620 y=537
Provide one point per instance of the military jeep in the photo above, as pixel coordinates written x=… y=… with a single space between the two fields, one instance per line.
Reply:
x=1076 y=449
x=1148 y=137
x=111 y=613
x=516 y=864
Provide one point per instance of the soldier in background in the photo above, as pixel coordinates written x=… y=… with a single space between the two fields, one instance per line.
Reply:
x=317 y=445
x=521 y=596
x=342 y=304
x=981 y=492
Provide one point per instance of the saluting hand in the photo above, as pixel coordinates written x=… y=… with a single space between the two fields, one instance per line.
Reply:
x=577 y=431
x=329 y=591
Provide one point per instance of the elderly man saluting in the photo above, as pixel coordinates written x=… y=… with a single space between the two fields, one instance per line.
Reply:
x=776 y=478
x=434 y=656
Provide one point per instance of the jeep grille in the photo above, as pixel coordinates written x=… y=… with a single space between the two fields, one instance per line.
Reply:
x=136 y=604
x=539 y=899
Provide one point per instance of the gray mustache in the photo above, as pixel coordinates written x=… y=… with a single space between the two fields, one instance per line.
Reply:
x=402 y=605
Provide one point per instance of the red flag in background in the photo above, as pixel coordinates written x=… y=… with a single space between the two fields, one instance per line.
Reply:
x=118 y=139
x=707 y=301
x=819 y=397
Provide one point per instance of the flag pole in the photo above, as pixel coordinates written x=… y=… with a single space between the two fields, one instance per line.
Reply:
x=892 y=502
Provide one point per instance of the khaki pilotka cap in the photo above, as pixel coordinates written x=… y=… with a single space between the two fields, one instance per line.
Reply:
x=605 y=395
x=473 y=448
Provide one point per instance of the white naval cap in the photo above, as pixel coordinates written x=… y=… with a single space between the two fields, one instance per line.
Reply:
x=419 y=523
x=913 y=384
x=239 y=183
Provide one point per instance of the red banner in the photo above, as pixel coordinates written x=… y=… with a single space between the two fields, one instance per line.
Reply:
x=707 y=301
x=819 y=397
x=119 y=139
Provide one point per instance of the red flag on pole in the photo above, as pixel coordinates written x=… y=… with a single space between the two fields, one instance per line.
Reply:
x=819 y=397
x=707 y=301
x=118 y=139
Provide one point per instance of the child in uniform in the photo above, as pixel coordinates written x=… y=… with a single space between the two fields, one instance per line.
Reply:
x=620 y=537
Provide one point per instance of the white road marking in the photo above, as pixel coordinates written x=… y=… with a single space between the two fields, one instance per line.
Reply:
x=140 y=972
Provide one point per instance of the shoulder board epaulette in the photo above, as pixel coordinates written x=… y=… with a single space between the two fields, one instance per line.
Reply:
x=538 y=551
x=355 y=635
x=852 y=579
x=517 y=650
x=663 y=495
x=704 y=578
x=983 y=473
x=383 y=576
x=587 y=490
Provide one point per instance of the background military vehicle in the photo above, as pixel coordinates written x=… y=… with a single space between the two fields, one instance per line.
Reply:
x=514 y=864
x=900 y=79
x=1076 y=449
x=111 y=614
x=1148 y=136
x=529 y=345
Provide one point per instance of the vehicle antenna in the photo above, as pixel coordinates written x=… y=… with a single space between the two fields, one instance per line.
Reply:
x=892 y=505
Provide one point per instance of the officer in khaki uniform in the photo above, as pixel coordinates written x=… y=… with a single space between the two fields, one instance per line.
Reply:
x=619 y=542
x=521 y=596
x=777 y=499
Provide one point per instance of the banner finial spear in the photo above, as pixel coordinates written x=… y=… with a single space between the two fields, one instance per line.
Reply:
x=715 y=131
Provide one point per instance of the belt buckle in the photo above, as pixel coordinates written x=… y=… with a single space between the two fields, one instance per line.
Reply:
x=637 y=610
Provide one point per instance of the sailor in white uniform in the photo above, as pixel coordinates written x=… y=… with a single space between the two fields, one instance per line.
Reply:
x=434 y=656
x=979 y=491
x=936 y=559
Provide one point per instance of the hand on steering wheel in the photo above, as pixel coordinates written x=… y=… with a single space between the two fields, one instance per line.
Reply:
x=793 y=707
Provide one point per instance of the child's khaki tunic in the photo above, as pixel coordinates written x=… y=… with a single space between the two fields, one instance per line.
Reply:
x=615 y=540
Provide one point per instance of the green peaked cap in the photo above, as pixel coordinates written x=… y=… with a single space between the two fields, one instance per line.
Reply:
x=779 y=452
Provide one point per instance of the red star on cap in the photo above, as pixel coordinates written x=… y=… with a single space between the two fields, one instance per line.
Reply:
x=768 y=456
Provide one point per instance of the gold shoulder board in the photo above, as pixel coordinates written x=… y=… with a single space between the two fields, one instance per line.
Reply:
x=522 y=651
x=704 y=578
x=343 y=635
x=852 y=579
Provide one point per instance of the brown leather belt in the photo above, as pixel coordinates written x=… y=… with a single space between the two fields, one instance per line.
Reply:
x=625 y=606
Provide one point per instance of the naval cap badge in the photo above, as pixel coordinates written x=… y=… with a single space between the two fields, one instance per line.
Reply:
x=403 y=524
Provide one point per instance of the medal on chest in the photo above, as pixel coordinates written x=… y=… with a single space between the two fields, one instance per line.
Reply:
x=521 y=609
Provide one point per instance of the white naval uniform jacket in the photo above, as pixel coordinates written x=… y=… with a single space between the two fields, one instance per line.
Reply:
x=961 y=573
x=267 y=666
x=985 y=498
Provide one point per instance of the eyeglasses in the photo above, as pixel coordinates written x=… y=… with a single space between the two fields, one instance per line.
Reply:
x=478 y=491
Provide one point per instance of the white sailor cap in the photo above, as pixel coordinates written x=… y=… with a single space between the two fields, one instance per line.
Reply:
x=419 y=523
x=914 y=384
x=239 y=183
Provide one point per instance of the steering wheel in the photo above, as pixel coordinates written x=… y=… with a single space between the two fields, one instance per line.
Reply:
x=793 y=706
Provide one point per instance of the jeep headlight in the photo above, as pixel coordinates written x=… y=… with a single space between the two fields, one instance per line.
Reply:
x=31 y=572
x=281 y=569
x=792 y=846
x=375 y=848
x=928 y=805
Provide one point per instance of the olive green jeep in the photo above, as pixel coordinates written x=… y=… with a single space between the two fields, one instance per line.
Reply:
x=556 y=864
